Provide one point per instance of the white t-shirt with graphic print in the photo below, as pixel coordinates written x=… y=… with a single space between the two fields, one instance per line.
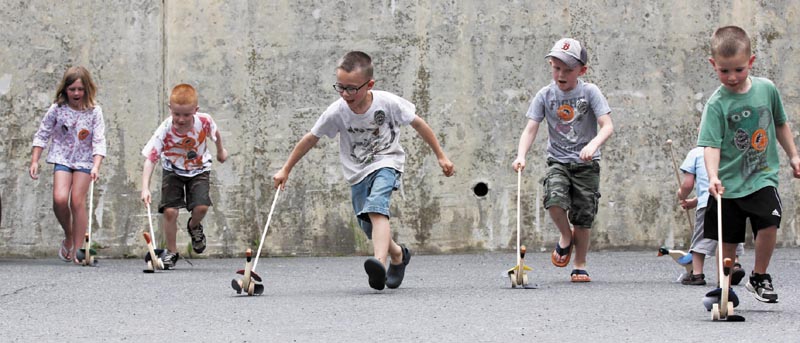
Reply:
x=369 y=141
x=571 y=118
x=76 y=136
x=184 y=154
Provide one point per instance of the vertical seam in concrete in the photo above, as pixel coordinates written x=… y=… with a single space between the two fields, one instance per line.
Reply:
x=163 y=91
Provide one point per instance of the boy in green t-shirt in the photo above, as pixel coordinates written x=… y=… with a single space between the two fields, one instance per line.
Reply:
x=741 y=122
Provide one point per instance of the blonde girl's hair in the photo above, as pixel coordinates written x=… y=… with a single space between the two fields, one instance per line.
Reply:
x=72 y=74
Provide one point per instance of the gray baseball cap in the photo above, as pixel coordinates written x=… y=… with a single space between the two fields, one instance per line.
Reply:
x=570 y=52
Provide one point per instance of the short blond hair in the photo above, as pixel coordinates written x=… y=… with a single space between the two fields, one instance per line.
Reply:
x=728 y=41
x=183 y=94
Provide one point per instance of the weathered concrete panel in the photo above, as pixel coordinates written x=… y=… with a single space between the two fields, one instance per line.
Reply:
x=120 y=43
x=264 y=71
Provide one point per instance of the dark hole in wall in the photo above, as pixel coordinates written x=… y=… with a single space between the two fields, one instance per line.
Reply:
x=480 y=189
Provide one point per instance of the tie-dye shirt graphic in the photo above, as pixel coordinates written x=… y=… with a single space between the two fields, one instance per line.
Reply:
x=185 y=154
x=571 y=118
x=76 y=136
x=369 y=141
x=742 y=126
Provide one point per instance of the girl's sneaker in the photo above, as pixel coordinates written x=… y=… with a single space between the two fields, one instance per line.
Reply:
x=761 y=287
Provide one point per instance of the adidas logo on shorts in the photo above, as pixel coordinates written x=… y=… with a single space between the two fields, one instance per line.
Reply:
x=776 y=213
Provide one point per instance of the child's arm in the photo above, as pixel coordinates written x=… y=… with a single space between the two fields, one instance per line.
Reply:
x=96 y=161
x=222 y=154
x=784 y=135
x=40 y=139
x=303 y=146
x=711 y=158
x=686 y=186
x=606 y=128
x=147 y=171
x=685 y=189
x=34 y=167
x=689 y=203
x=98 y=142
x=425 y=131
x=525 y=141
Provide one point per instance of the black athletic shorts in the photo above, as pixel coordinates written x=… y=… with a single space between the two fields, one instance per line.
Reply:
x=182 y=191
x=763 y=207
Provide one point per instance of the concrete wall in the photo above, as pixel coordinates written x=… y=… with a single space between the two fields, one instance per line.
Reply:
x=264 y=70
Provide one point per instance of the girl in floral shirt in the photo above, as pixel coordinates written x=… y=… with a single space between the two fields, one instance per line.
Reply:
x=74 y=123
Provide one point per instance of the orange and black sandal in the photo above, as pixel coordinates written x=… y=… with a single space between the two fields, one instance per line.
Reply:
x=579 y=275
x=560 y=252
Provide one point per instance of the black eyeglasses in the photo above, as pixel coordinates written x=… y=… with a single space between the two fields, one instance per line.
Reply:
x=350 y=90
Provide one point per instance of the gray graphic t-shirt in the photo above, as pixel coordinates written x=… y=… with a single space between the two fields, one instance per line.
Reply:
x=369 y=141
x=571 y=118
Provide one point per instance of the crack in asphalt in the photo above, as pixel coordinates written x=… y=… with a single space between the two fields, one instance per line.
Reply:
x=15 y=292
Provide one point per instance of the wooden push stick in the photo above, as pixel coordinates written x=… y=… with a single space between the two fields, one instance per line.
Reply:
x=87 y=249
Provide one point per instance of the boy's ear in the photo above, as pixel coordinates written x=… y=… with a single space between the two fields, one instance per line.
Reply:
x=583 y=70
x=750 y=62
x=713 y=63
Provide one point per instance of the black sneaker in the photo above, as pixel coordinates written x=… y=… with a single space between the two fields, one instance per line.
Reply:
x=394 y=276
x=198 y=238
x=738 y=274
x=694 y=280
x=169 y=259
x=761 y=287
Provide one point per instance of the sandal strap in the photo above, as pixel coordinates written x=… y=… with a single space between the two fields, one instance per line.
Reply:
x=579 y=272
x=563 y=251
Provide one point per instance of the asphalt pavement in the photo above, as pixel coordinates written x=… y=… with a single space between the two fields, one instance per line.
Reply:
x=634 y=297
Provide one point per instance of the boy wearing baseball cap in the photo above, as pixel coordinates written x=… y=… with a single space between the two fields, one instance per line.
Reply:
x=573 y=109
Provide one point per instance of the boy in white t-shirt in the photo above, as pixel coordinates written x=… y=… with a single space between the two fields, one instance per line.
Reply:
x=368 y=124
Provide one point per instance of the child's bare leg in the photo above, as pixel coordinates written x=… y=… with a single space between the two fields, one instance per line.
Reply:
x=559 y=217
x=382 y=241
x=62 y=182
x=765 y=246
x=198 y=213
x=78 y=203
x=698 y=261
x=171 y=227
x=581 y=241
x=728 y=251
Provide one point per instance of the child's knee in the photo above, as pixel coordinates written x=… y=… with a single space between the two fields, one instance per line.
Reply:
x=171 y=214
x=60 y=200
x=201 y=209
x=77 y=201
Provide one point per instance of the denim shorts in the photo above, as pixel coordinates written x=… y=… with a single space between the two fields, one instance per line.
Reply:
x=575 y=188
x=372 y=195
x=61 y=167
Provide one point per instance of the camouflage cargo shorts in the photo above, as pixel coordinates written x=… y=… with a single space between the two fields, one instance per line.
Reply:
x=575 y=188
